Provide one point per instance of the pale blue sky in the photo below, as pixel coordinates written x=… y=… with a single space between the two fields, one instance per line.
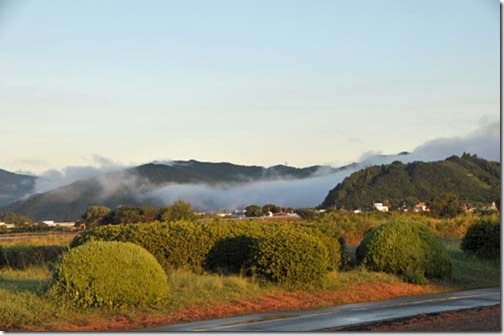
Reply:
x=251 y=82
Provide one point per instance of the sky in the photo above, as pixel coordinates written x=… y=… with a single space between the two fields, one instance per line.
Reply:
x=258 y=82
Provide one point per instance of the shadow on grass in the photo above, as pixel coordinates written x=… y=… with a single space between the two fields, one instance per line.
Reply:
x=22 y=285
x=471 y=272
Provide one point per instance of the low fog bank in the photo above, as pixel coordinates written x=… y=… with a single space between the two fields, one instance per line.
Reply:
x=309 y=192
x=52 y=179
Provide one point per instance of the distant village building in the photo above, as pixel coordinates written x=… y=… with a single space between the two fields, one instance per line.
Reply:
x=490 y=209
x=7 y=225
x=380 y=207
x=421 y=207
x=238 y=214
x=51 y=223
x=469 y=208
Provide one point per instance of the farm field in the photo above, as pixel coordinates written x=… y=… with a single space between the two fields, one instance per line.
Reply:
x=195 y=296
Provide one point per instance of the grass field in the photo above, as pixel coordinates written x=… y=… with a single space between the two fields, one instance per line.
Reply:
x=61 y=239
x=24 y=305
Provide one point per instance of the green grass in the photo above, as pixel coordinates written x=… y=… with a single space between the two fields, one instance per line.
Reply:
x=469 y=271
x=22 y=301
x=38 y=240
x=339 y=281
x=188 y=289
x=33 y=279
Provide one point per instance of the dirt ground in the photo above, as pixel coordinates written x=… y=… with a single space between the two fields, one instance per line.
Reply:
x=483 y=319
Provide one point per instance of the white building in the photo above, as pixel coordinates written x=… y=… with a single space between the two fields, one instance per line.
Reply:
x=379 y=206
x=51 y=223
x=6 y=225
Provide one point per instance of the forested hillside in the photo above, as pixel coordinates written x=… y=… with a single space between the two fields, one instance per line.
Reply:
x=474 y=180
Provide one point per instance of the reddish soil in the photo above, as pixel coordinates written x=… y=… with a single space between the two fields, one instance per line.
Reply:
x=280 y=300
x=483 y=319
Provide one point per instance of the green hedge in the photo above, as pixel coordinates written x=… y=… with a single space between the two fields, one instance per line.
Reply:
x=111 y=274
x=23 y=256
x=232 y=255
x=221 y=246
x=406 y=248
x=330 y=235
x=483 y=240
x=292 y=257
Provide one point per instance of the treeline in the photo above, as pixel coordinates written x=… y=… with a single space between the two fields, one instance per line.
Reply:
x=15 y=219
x=101 y=215
x=23 y=224
x=257 y=211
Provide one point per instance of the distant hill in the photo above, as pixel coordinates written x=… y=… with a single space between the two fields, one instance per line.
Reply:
x=127 y=186
x=472 y=179
x=188 y=172
x=14 y=186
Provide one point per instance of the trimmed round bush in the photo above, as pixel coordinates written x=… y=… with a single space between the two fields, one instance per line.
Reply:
x=483 y=240
x=112 y=274
x=291 y=257
x=408 y=249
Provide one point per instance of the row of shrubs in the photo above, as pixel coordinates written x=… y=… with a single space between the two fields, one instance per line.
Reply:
x=232 y=246
x=123 y=265
x=353 y=227
x=117 y=266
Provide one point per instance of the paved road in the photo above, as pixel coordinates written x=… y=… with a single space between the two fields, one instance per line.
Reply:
x=309 y=320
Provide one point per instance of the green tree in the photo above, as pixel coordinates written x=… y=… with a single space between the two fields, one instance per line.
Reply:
x=126 y=214
x=16 y=219
x=307 y=213
x=271 y=208
x=149 y=214
x=95 y=216
x=253 y=211
x=178 y=211
x=446 y=205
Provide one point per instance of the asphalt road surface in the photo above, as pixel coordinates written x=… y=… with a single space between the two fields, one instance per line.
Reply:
x=322 y=318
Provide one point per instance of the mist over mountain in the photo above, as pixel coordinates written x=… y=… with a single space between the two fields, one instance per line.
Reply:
x=209 y=186
x=15 y=186
x=65 y=194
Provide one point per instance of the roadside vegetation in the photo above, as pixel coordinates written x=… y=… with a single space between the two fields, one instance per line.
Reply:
x=217 y=268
